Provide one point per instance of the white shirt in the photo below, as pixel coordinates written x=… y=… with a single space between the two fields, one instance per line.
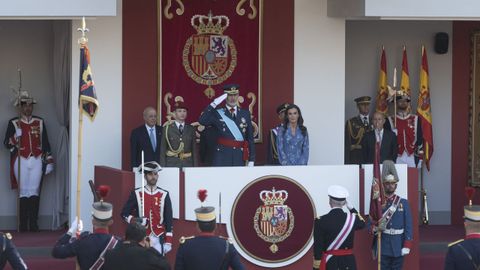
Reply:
x=365 y=118
x=235 y=108
x=149 y=128
x=378 y=135
x=178 y=124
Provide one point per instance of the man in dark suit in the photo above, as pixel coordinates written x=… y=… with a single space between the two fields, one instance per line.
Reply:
x=333 y=233
x=385 y=138
x=146 y=137
x=464 y=254
x=355 y=129
x=178 y=145
x=135 y=252
x=235 y=144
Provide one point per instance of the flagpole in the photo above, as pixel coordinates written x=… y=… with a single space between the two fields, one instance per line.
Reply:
x=19 y=146
x=143 y=185
x=395 y=97
x=379 y=250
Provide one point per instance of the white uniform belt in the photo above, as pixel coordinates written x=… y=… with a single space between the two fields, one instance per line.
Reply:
x=393 y=231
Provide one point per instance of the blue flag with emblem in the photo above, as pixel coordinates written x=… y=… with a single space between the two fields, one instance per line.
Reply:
x=88 y=97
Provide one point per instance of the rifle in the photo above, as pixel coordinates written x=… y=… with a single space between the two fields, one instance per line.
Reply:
x=94 y=191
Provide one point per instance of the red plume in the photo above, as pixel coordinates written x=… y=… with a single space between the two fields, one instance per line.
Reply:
x=470 y=192
x=202 y=194
x=103 y=191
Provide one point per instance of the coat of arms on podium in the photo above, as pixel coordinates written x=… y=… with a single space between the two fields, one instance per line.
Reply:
x=274 y=220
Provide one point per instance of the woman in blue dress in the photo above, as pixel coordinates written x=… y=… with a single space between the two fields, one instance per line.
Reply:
x=292 y=140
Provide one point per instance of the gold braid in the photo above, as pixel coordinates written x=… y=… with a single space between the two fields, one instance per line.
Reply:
x=359 y=135
x=180 y=147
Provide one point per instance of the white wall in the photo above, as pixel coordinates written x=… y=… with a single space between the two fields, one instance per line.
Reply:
x=424 y=8
x=28 y=45
x=101 y=138
x=363 y=47
x=319 y=79
x=62 y=8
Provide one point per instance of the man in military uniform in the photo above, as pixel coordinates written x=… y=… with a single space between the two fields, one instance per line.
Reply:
x=395 y=224
x=8 y=252
x=235 y=145
x=28 y=133
x=272 y=153
x=146 y=138
x=177 y=148
x=333 y=233
x=408 y=129
x=89 y=248
x=135 y=252
x=158 y=216
x=464 y=254
x=355 y=129
x=207 y=251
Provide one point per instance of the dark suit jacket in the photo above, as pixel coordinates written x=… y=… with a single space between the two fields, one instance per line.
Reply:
x=388 y=148
x=140 y=140
x=133 y=256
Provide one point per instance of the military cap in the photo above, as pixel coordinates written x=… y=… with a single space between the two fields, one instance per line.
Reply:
x=337 y=192
x=24 y=98
x=282 y=107
x=231 y=89
x=389 y=172
x=205 y=213
x=180 y=105
x=472 y=213
x=151 y=166
x=402 y=95
x=363 y=100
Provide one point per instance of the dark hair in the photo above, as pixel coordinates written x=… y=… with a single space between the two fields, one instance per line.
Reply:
x=303 y=128
x=135 y=232
x=207 y=226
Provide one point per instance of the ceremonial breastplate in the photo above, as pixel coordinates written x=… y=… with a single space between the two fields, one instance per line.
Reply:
x=31 y=139
x=154 y=204
x=407 y=134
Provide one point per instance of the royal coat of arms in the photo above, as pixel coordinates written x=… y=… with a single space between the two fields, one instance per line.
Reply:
x=274 y=220
x=209 y=57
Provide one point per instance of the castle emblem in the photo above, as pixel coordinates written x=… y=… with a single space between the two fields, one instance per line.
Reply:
x=209 y=57
x=274 y=220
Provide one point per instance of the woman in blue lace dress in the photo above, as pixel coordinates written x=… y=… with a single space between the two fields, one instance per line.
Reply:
x=292 y=140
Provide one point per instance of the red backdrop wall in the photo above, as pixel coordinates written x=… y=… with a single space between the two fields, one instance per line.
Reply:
x=140 y=69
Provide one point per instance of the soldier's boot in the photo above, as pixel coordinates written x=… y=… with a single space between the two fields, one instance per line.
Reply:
x=33 y=213
x=23 y=214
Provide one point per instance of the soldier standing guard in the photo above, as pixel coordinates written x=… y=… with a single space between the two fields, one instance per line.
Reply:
x=178 y=145
x=272 y=154
x=333 y=233
x=355 y=129
x=89 y=248
x=235 y=145
x=158 y=216
x=8 y=252
x=30 y=135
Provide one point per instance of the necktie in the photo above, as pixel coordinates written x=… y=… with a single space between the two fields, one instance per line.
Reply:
x=180 y=128
x=379 y=136
x=232 y=112
x=153 y=139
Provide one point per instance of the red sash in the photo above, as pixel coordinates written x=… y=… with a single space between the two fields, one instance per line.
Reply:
x=239 y=144
x=336 y=252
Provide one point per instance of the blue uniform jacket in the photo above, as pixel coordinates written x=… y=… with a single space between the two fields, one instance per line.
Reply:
x=402 y=219
x=207 y=252
x=224 y=155
x=87 y=248
x=457 y=258
x=8 y=252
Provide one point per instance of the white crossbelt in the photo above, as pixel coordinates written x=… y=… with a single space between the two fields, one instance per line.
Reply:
x=393 y=231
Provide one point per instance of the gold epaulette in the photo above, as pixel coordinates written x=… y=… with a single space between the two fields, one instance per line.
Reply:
x=456 y=242
x=183 y=239
x=360 y=217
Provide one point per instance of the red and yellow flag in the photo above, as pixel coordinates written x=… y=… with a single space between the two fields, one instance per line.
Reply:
x=405 y=83
x=382 y=95
x=424 y=111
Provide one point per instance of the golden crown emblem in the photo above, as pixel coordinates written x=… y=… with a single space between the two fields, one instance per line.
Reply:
x=210 y=24
x=273 y=197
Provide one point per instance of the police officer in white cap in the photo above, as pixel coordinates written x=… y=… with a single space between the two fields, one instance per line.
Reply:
x=333 y=233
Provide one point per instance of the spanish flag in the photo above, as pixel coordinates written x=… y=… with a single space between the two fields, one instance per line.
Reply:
x=424 y=111
x=88 y=97
x=405 y=83
x=382 y=95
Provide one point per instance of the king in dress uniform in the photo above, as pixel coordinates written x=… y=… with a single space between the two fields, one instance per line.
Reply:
x=207 y=251
x=89 y=248
x=178 y=145
x=272 y=154
x=235 y=144
x=464 y=254
x=333 y=233
x=8 y=252
x=158 y=216
x=28 y=133
x=409 y=133
x=355 y=129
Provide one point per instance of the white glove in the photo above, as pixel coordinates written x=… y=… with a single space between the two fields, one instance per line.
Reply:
x=250 y=164
x=49 y=168
x=218 y=100
x=144 y=221
x=419 y=165
x=18 y=132
x=349 y=206
x=167 y=247
x=405 y=251
x=77 y=226
x=395 y=131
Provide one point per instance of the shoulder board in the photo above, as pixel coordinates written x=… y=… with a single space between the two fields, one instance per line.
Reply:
x=456 y=242
x=185 y=238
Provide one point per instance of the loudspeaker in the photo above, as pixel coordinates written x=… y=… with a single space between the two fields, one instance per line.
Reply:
x=441 y=43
